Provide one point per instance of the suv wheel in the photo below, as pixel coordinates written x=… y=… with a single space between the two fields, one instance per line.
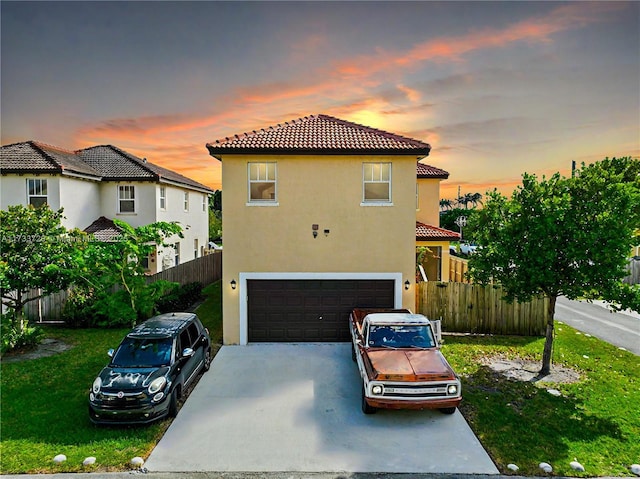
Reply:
x=173 y=404
x=207 y=360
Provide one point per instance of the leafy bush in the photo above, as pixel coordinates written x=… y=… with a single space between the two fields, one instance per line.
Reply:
x=180 y=298
x=17 y=334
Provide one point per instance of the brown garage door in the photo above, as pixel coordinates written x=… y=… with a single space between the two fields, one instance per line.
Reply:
x=310 y=310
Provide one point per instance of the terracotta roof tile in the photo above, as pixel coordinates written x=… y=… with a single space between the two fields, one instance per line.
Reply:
x=433 y=233
x=103 y=229
x=319 y=134
x=428 y=171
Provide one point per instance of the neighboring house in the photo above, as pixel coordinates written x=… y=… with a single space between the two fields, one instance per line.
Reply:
x=319 y=217
x=99 y=184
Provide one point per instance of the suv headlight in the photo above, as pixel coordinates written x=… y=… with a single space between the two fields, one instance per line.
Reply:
x=97 y=384
x=452 y=389
x=157 y=384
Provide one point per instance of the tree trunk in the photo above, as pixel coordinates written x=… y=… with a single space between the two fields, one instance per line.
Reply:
x=548 y=344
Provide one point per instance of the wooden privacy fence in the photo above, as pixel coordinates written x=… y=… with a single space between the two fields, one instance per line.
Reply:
x=205 y=270
x=474 y=308
x=634 y=271
x=458 y=268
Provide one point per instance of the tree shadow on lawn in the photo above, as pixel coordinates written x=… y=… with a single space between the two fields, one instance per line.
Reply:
x=519 y=422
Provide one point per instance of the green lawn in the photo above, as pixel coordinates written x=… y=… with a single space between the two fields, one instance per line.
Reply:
x=44 y=405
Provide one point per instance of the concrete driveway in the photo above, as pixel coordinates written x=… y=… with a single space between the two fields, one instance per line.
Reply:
x=296 y=407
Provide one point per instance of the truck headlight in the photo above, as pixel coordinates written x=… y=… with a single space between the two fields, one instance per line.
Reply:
x=377 y=389
x=452 y=389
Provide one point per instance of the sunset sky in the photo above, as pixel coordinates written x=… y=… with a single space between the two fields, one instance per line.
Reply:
x=496 y=88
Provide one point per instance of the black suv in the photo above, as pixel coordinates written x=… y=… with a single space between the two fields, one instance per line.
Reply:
x=151 y=368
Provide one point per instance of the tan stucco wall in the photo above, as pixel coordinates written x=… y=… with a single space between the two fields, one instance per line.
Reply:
x=444 y=245
x=428 y=211
x=326 y=191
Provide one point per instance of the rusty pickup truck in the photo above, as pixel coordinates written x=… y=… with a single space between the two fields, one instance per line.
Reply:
x=400 y=362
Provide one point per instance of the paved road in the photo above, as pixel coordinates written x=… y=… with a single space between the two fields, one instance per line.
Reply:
x=619 y=329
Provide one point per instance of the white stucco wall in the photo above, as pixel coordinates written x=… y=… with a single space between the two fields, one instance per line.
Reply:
x=80 y=200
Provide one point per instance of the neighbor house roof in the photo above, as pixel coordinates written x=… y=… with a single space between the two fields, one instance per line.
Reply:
x=319 y=134
x=428 y=171
x=116 y=164
x=35 y=157
x=102 y=163
x=433 y=233
x=103 y=229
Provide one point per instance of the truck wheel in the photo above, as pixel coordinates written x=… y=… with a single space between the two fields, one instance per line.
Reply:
x=447 y=410
x=366 y=408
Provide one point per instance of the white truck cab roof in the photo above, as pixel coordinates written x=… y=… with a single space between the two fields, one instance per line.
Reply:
x=396 y=318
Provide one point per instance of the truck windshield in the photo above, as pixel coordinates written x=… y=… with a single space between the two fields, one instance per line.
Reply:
x=143 y=352
x=401 y=336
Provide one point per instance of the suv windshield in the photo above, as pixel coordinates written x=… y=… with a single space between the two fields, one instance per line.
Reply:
x=401 y=336
x=143 y=352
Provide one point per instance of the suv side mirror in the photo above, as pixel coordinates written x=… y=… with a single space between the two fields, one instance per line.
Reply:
x=187 y=352
x=110 y=353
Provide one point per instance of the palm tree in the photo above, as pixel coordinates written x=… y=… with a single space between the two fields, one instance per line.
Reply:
x=476 y=198
x=446 y=205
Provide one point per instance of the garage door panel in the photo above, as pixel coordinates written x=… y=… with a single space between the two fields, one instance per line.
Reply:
x=290 y=310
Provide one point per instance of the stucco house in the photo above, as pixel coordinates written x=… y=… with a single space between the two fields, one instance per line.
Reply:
x=98 y=184
x=319 y=217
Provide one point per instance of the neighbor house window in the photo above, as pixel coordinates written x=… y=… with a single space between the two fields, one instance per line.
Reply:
x=176 y=250
x=204 y=203
x=195 y=248
x=163 y=198
x=126 y=199
x=376 y=182
x=186 y=201
x=36 y=192
x=262 y=182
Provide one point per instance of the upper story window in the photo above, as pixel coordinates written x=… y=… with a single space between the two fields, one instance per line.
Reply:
x=205 y=203
x=126 y=199
x=262 y=183
x=36 y=192
x=376 y=182
x=186 y=201
x=163 y=198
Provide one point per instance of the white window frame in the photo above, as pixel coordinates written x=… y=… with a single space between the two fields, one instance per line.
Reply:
x=195 y=248
x=205 y=203
x=176 y=253
x=186 y=201
x=38 y=184
x=376 y=177
x=268 y=166
x=121 y=189
x=163 y=198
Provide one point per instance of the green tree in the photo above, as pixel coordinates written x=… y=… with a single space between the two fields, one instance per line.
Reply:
x=36 y=253
x=112 y=278
x=562 y=236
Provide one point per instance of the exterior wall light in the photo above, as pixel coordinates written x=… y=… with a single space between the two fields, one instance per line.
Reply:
x=406 y=285
x=233 y=284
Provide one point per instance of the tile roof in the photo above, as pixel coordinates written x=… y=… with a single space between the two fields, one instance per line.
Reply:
x=319 y=134
x=116 y=164
x=104 y=162
x=103 y=229
x=433 y=233
x=36 y=157
x=428 y=171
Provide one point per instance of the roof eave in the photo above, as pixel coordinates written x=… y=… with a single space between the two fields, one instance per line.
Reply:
x=217 y=151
